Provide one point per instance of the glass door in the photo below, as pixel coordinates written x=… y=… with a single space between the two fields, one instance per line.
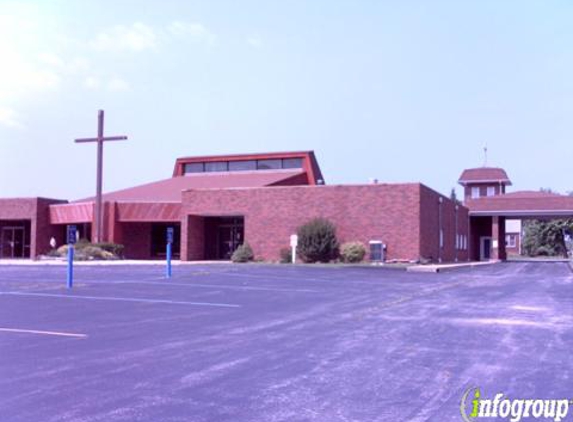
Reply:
x=230 y=237
x=12 y=242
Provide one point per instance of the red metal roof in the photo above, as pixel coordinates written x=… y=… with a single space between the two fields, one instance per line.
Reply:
x=169 y=190
x=484 y=175
x=522 y=204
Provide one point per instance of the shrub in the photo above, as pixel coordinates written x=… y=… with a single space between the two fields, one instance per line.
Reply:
x=85 y=251
x=113 y=248
x=352 y=252
x=286 y=256
x=243 y=253
x=317 y=241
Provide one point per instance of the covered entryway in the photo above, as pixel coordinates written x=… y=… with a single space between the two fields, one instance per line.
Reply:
x=15 y=239
x=488 y=216
x=159 y=239
x=223 y=235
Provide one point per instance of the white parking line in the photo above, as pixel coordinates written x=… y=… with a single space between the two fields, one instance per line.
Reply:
x=47 y=333
x=212 y=286
x=122 y=299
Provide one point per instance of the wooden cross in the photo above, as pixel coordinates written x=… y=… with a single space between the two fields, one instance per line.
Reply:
x=100 y=139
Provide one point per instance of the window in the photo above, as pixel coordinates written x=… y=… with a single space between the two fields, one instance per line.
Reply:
x=491 y=191
x=292 y=163
x=510 y=240
x=194 y=168
x=475 y=192
x=216 y=166
x=242 y=165
x=269 y=164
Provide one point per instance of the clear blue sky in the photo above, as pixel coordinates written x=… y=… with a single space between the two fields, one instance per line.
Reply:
x=397 y=90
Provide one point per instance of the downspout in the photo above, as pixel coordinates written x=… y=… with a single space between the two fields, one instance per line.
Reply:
x=440 y=232
x=457 y=238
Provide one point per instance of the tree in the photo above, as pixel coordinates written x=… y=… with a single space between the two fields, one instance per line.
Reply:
x=546 y=237
x=317 y=241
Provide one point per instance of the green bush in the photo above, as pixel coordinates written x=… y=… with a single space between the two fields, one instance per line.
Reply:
x=286 y=256
x=243 y=253
x=352 y=252
x=317 y=241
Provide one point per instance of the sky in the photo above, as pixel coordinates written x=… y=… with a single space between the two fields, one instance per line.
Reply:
x=401 y=91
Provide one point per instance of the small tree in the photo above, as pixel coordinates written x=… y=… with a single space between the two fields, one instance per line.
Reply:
x=317 y=241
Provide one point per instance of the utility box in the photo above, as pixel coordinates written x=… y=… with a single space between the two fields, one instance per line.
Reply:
x=377 y=251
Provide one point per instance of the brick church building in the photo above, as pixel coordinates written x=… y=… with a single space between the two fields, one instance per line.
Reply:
x=216 y=203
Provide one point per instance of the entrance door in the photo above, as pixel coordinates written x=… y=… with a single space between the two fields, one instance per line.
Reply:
x=485 y=248
x=12 y=242
x=230 y=237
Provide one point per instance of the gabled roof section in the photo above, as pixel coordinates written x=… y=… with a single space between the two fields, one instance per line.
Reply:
x=309 y=163
x=484 y=175
x=169 y=190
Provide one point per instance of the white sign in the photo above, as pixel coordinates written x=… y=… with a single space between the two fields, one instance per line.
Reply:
x=495 y=244
x=293 y=240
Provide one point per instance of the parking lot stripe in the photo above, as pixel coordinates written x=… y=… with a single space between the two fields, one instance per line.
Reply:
x=122 y=299
x=47 y=333
x=211 y=286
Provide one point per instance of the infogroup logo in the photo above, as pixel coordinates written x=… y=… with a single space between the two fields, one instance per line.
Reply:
x=473 y=407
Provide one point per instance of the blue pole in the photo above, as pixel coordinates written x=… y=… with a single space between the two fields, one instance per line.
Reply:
x=168 y=259
x=70 y=266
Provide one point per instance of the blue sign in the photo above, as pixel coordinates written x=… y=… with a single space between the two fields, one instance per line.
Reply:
x=72 y=236
x=170 y=232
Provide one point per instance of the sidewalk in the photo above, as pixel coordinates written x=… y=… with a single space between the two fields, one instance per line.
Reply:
x=63 y=262
x=438 y=268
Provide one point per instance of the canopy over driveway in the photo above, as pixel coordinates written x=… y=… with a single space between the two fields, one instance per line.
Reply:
x=488 y=215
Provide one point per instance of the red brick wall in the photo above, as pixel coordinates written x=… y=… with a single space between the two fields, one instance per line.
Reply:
x=515 y=249
x=36 y=210
x=387 y=212
x=430 y=210
x=192 y=238
x=136 y=238
x=480 y=227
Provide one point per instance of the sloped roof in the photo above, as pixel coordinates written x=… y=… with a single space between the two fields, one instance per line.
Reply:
x=169 y=190
x=484 y=175
x=522 y=203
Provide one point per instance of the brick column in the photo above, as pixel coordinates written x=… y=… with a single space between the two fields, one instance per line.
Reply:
x=498 y=238
x=192 y=238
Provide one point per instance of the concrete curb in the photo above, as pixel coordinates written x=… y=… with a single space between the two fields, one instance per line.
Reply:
x=63 y=262
x=438 y=268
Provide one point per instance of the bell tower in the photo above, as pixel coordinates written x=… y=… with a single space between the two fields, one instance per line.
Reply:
x=483 y=182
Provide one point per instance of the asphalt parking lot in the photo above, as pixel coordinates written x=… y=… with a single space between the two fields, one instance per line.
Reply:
x=278 y=343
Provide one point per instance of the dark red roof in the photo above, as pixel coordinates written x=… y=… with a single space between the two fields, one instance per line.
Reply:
x=484 y=175
x=169 y=190
x=523 y=203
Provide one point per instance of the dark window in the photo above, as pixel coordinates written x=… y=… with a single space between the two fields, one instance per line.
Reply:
x=194 y=168
x=242 y=165
x=292 y=163
x=216 y=166
x=269 y=164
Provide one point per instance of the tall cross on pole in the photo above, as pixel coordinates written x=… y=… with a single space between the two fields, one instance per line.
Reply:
x=100 y=139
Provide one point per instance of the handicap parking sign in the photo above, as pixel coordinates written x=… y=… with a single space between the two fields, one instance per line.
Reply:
x=72 y=233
